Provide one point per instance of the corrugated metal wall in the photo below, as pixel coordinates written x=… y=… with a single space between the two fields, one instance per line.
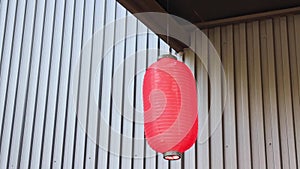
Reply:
x=40 y=44
x=260 y=125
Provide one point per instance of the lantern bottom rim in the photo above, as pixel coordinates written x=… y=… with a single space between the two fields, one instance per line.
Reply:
x=172 y=155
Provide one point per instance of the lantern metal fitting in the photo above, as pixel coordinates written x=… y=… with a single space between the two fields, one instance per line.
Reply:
x=167 y=56
x=172 y=155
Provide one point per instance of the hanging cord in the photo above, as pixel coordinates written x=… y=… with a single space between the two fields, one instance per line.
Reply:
x=168 y=33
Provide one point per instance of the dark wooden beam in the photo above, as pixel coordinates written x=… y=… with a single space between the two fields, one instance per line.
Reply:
x=160 y=28
x=158 y=25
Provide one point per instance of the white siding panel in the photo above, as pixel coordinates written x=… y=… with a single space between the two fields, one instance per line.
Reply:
x=25 y=155
x=63 y=88
x=189 y=60
x=216 y=124
x=118 y=89
x=230 y=136
x=203 y=103
x=126 y=146
x=43 y=86
x=3 y=22
x=255 y=94
x=6 y=59
x=152 y=54
x=107 y=73
x=71 y=125
x=26 y=60
x=13 y=95
x=84 y=84
x=54 y=76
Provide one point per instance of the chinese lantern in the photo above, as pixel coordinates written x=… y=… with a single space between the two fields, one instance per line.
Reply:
x=170 y=107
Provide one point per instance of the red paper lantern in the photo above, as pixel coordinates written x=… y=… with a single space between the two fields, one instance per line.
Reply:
x=170 y=106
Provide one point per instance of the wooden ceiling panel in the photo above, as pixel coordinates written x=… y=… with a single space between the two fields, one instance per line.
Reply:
x=197 y=11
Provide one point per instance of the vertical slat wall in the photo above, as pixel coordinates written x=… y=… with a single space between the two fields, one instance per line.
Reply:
x=260 y=126
x=45 y=86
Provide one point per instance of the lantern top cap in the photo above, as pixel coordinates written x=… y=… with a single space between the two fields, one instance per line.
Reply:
x=167 y=56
